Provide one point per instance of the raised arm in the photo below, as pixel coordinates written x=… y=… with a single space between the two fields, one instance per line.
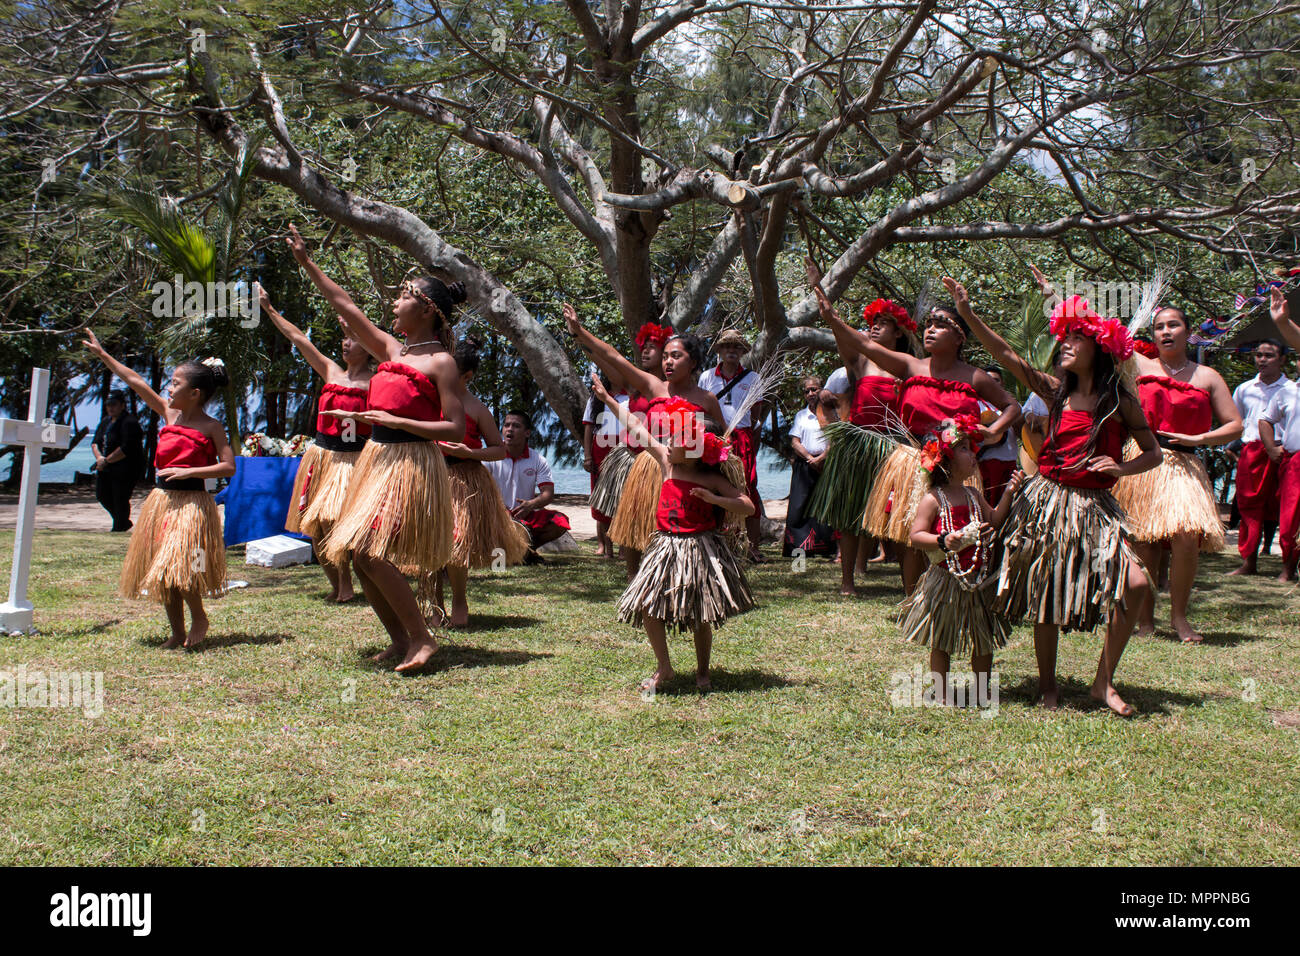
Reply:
x=898 y=364
x=608 y=358
x=1280 y=311
x=128 y=375
x=322 y=365
x=631 y=425
x=372 y=338
x=998 y=347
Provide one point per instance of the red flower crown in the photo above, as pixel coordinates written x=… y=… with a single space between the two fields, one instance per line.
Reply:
x=682 y=421
x=891 y=310
x=658 y=334
x=950 y=433
x=1076 y=315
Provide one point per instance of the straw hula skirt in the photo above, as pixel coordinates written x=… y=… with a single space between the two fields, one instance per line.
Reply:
x=399 y=510
x=944 y=616
x=1066 y=556
x=320 y=490
x=1175 y=497
x=897 y=493
x=854 y=456
x=484 y=529
x=634 y=521
x=176 y=547
x=609 y=483
x=686 y=580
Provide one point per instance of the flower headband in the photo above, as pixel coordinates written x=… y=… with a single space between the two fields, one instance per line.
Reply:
x=658 y=334
x=1076 y=315
x=892 y=310
x=951 y=432
x=410 y=287
x=685 y=427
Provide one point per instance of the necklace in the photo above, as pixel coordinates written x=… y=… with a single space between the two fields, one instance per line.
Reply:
x=967 y=578
x=415 y=345
x=1174 y=371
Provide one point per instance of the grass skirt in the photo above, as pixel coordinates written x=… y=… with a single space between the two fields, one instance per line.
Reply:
x=891 y=517
x=1066 y=556
x=854 y=455
x=176 y=546
x=634 y=521
x=686 y=580
x=399 y=510
x=944 y=616
x=1175 y=497
x=609 y=483
x=324 y=476
x=482 y=523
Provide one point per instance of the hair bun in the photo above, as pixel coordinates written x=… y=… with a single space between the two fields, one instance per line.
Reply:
x=456 y=290
x=218 y=368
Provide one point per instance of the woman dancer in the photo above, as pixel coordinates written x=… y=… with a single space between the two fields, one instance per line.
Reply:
x=321 y=485
x=1174 y=504
x=690 y=577
x=951 y=610
x=1068 y=562
x=177 y=556
x=398 y=520
x=683 y=358
x=608 y=490
x=485 y=534
x=934 y=388
x=840 y=499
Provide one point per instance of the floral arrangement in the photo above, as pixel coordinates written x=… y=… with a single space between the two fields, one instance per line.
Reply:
x=1076 y=315
x=939 y=445
x=891 y=310
x=260 y=445
x=650 y=332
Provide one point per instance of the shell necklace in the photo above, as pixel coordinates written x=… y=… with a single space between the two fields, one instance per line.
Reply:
x=968 y=578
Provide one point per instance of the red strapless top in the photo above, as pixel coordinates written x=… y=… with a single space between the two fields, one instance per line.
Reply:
x=1061 y=457
x=1174 y=406
x=680 y=511
x=405 y=392
x=968 y=557
x=638 y=405
x=183 y=447
x=343 y=398
x=873 y=396
x=928 y=401
x=473 y=438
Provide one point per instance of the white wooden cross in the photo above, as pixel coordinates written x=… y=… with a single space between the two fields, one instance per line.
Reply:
x=37 y=434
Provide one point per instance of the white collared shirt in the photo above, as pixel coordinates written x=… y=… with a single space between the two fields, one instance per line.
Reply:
x=713 y=381
x=808 y=430
x=1252 y=399
x=519 y=478
x=1284 y=412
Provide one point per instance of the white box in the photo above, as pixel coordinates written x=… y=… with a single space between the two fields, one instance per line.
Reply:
x=277 y=551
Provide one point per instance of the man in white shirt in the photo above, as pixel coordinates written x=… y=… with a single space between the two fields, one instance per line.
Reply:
x=1257 y=472
x=731 y=382
x=809 y=445
x=526 y=485
x=1284 y=412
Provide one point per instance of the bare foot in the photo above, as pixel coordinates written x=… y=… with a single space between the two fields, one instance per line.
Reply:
x=198 y=631
x=1186 y=634
x=849 y=591
x=459 y=614
x=703 y=684
x=1049 y=698
x=1287 y=575
x=344 y=595
x=1144 y=629
x=658 y=680
x=1108 y=695
x=175 y=641
x=393 y=652
x=1247 y=567
x=879 y=558
x=418 y=654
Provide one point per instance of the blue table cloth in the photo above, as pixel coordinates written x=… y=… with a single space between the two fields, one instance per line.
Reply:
x=257 y=498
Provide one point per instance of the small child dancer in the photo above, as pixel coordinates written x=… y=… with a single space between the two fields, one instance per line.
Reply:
x=690 y=576
x=177 y=556
x=951 y=610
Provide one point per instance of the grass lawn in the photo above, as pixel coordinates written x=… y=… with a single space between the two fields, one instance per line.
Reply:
x=279 y=744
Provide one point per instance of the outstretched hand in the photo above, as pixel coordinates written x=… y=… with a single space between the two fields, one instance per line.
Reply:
x=572 y=323
x=92 y=344
x=264 y=298
x=297 y=246
x=1278 y=307
x=1044 y=284
x=598 y=388
x=815 y=280
x=960 y=297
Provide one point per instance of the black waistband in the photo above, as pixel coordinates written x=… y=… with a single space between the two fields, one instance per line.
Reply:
x=180 y=484
x=392 y=436
x=336 y=442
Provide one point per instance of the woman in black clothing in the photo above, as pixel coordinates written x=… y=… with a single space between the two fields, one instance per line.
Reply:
x=119 y=452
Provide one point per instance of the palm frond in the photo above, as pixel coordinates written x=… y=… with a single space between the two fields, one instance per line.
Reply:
x=180 y=246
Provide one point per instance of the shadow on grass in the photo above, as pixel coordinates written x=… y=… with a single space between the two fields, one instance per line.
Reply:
x=1215 y=638
x=1076 y=696
x=497 y=622
x=457 y=656
x=727 y=682
x=234 y=640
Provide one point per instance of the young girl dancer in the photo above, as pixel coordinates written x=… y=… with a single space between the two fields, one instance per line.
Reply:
x=484 y=528
x=951 y=610
x=1067 y=561
x=934 y=388
x=690 y=577
x=840 y=499
x=321 y=485
x=398 y=519
x=177 y=556
x=683 y=358
x=1174 y=503
x=608 y=490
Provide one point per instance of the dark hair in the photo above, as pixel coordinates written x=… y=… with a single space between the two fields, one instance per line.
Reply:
x=446 y=298
x=521 y=415
x=466 y=355
x=694 y=346
x=1173 y=308
x=116 y=395
x=1273 y=342
x=995 y=370
x=952 y=315
x=1110 y=390
x=204 y=377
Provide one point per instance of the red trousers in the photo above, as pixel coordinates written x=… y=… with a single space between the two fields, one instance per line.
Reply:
x=744 y=442
x=1289 y=520
x=1257 y=495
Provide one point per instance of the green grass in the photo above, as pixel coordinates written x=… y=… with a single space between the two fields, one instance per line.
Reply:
x=530 y=743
